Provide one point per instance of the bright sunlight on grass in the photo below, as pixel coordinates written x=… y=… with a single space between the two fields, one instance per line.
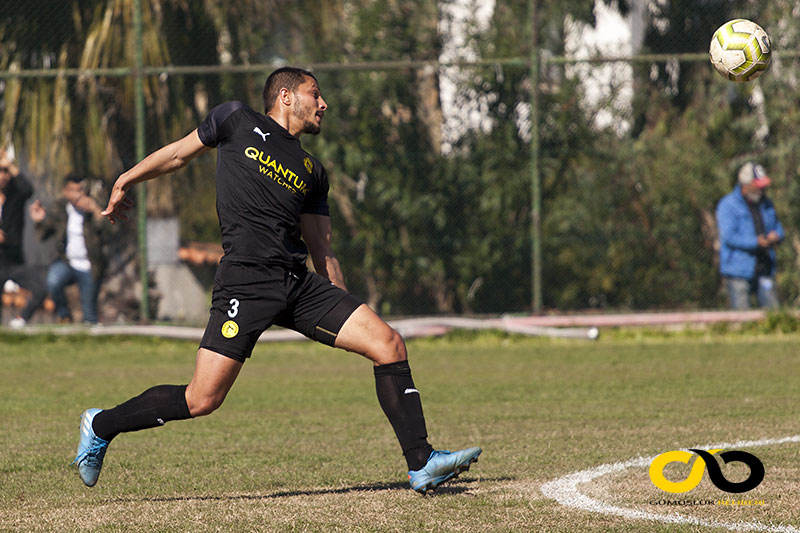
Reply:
x=302 y=445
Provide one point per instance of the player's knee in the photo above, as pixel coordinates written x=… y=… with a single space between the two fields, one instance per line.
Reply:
x=392 y=348
x=201 y=405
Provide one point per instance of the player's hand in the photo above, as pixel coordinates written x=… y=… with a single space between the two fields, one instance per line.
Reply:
x=763 y=241
x=2 y=237
x=37 y=211
x=118 y=206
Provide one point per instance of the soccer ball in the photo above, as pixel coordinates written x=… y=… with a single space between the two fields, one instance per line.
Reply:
x=740 y=50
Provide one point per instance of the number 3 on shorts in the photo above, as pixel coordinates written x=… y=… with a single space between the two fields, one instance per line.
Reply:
x=234 y=310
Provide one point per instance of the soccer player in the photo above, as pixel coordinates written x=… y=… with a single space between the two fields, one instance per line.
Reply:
x=273 y=211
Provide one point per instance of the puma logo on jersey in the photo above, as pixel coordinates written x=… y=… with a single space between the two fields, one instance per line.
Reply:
x=263 y=135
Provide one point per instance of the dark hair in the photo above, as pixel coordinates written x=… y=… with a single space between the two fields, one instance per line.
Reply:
x=284 y=78
x=74 y=177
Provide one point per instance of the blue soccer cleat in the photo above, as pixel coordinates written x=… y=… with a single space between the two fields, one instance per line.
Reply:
x=91 y=450
x=441 y=466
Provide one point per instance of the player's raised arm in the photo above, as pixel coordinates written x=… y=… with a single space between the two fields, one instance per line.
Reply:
x=167 y=159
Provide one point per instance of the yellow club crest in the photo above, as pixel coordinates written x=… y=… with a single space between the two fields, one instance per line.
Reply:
x=230 y=329
x=309 y=165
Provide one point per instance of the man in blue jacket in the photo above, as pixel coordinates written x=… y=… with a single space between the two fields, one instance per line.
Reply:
x=749 y=229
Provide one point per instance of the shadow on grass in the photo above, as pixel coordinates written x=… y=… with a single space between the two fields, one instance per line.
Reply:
x=458 y=486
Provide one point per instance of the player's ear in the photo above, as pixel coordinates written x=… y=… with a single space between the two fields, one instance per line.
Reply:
x=285 y=96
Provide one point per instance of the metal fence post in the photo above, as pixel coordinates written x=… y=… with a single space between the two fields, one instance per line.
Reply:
x=141 y=190
x=536 y=193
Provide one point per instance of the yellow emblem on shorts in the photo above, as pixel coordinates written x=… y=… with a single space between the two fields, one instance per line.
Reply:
x=309 y=165
x=230 y=329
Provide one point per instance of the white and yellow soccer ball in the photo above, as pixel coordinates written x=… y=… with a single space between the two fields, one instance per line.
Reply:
x=740 y=50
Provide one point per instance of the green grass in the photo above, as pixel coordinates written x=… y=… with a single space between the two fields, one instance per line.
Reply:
x=302 y=445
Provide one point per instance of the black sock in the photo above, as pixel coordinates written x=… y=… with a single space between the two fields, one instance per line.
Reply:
x=400 y=401
x=154 y=407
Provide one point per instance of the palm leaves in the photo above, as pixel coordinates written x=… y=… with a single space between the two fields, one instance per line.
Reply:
x=59 y=123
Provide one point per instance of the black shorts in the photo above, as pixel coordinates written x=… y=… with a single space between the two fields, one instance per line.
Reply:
x=249 y=298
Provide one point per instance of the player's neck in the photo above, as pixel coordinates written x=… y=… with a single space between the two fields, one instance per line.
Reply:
x=284 y=121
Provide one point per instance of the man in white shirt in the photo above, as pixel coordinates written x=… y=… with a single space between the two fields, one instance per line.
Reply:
x=78 y=225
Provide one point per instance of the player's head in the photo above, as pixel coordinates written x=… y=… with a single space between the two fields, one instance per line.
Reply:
x=295 y=90
x=73 y=187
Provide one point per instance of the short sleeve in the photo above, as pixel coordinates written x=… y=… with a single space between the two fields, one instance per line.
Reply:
x=220 y=123
x=316 y=202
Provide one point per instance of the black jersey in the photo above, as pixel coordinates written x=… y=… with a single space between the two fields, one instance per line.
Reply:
x=265 y=180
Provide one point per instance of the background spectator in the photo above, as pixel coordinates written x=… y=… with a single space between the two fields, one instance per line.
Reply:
x=79 y=229
x=749 y=230
x=15 y=191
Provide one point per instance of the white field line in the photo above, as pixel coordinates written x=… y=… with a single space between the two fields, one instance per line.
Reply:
x=565 y=491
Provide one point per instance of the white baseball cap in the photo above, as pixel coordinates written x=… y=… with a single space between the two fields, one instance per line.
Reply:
x=755 y=174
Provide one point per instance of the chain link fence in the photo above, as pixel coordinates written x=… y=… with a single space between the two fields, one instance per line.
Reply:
x=445 y=167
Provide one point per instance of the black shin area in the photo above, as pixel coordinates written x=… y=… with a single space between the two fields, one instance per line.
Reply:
x=154 y=407
x=401 y=403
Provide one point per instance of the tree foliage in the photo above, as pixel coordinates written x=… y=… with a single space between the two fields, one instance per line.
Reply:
x=627 y=212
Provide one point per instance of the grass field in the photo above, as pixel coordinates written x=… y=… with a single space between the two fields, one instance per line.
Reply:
x=302 y=445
